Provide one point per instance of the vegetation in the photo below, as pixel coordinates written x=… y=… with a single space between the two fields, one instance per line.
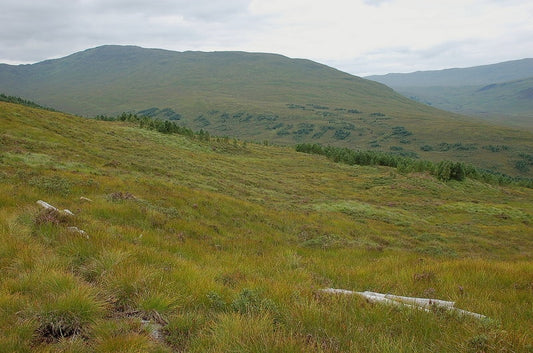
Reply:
x=18 y=100
x=196 y=245
x=248 y=96
x=444 y=170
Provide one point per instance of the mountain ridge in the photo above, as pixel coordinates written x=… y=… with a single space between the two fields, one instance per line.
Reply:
x=475 y=75
x=500 y=93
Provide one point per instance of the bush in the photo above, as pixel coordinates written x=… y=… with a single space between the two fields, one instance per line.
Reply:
x=522 y=166
x=447 y=170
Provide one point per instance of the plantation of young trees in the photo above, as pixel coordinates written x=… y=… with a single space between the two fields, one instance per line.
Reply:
x=444 y=170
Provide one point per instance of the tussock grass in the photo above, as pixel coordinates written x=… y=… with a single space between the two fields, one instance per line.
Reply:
x=202 y=251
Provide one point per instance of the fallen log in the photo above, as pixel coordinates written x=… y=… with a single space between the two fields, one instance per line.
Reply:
x=413 y=302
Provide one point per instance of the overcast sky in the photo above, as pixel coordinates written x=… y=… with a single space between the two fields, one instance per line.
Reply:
x=361 y=37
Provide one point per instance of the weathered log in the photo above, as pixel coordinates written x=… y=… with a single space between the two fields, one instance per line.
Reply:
x=412 y=302
x=46 y=205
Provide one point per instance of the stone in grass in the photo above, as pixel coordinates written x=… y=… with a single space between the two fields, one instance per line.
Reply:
x=78 y=231
x=47 y=206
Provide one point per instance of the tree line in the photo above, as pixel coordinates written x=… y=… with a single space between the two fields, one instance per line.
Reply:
x=21 y=101
x=444 y=170
x=163 y=126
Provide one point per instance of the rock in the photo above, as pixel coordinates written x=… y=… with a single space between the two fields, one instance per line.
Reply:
x=47 y=206
x=79 y=231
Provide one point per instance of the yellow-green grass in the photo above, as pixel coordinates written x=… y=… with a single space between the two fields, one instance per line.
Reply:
x=215 y=247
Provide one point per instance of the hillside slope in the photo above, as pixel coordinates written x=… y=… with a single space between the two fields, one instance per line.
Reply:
x=260 y=97
x=500 y=93
x=215 y=246
x=113 y=79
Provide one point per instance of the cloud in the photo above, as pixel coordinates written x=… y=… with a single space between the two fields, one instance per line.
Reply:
x=396 y=34
x=38 y=28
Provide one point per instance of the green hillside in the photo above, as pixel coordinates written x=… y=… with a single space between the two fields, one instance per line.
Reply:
x=222 y=246
x=500 y=93
x=260 y=97
x=113 y=79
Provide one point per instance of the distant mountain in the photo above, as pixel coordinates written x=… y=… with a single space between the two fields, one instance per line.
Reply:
x=501 y=93
x=260 y=97
x=470 y=76
x=111 y=79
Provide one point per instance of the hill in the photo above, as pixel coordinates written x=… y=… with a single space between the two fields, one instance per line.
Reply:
x=470 y=76
x=261 y=97
x=500 y=93
x=216 y=246
x=210 y=246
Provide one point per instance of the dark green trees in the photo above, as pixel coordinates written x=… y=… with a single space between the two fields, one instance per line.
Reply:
x=447 y=170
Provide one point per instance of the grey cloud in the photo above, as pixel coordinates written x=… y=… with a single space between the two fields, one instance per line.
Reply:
x=41 y=29
x=34 y=30
x=465 y=53
x=199 y=9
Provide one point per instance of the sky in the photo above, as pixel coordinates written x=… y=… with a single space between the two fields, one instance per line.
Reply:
x=361 y=37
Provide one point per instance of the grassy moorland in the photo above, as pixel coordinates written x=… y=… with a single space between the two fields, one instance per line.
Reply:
x=221 y=246
x=256 y=96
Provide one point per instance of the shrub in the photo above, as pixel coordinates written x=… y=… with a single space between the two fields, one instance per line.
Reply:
x=341 y=134
x=53 y=185
x=447 y=170
x=406 y=162
x=522 y=166
x=50 y=216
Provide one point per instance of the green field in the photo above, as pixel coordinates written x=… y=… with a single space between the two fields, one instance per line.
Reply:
x=258 y=97
x=223 y=246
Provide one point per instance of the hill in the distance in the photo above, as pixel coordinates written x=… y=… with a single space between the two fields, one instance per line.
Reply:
x=263 y=97
x=195 y=245
x=501 y=93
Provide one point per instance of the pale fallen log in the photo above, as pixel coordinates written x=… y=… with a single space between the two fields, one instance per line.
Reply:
x=422 y=301
x=412 y=302
x=47 y=206
x=382 y=298
x=370 y=296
